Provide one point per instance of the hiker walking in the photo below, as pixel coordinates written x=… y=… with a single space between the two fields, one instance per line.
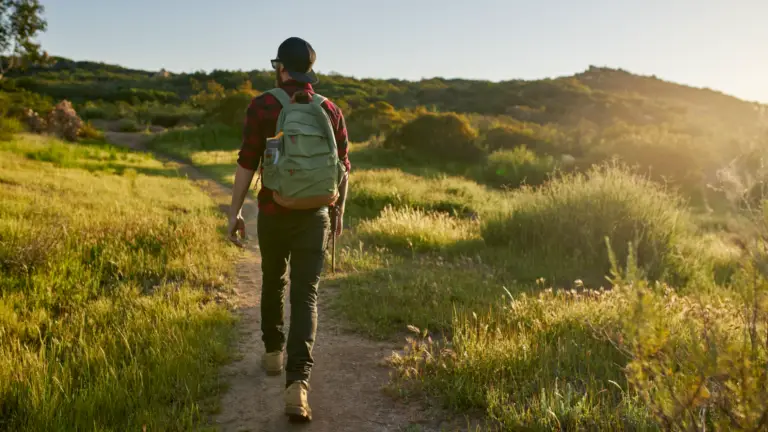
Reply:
x=300 y=140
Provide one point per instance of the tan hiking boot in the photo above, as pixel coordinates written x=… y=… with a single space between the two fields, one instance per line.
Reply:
x=273 y=363
x=296 y=404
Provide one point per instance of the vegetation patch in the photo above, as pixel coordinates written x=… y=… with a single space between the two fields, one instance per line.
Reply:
x=112 y=289
x=417 y=230
x=569 y=219
x=438 y=136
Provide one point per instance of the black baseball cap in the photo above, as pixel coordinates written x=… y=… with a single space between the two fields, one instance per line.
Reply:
x=297 y=56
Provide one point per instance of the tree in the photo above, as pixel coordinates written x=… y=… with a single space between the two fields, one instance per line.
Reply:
x=20 y=22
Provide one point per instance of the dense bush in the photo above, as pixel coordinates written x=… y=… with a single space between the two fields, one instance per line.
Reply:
x=438 y=136
x=378 y=119
x=88 y=131
x=64 y=122
x=35 y=122
x=14 y=104
x=512 y=168
x=510 y=137
x=223 y=106
x=230 y=109
x=697 y=363
x=128 y=125
x=8 y=127
x=92 y=112
x=173 y=118
x=567 y=220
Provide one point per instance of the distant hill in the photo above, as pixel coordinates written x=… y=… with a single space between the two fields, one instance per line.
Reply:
x=598 y=95
x=678 y=134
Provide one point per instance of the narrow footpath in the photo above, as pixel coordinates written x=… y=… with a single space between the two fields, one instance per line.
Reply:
x=347 y=379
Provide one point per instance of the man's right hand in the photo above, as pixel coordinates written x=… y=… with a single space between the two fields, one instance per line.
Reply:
x=243 y=178
x=337 y=225
x=236 y=226
x=337 y=222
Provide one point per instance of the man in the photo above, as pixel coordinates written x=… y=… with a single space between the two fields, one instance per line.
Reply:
x=287 y=233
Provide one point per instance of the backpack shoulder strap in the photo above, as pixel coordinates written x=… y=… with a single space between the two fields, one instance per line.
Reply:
x=317 y=102
x=318 y=99
x=285 y=101
x=281 y=96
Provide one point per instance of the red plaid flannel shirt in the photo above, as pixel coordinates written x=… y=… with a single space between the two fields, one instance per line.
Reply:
x=260 y=124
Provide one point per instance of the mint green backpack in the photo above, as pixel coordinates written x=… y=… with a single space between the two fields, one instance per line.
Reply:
x=301 y=164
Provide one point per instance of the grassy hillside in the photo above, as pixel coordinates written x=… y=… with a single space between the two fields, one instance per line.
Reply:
x=112 y=272
x=678 y=134
x=597 y=94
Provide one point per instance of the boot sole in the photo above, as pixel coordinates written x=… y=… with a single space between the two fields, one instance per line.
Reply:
x=298 y=414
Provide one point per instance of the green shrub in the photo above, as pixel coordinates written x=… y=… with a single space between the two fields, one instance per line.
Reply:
x=168 y=116
x=510 y=137
x=438 y=136
x=88 y=131
x=128 y=125
x=14 y=104
x=224 y=106
x=90 y=111
x=8 y=127
x=512 y=168
x=567 y=220
x=173 y=119
x=698 y=361
x=230 y=109
x=378 y=119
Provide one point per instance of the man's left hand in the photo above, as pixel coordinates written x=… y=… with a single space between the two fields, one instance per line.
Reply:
x=236 y=226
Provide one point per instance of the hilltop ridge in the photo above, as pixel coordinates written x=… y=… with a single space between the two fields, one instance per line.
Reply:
x=601 y=95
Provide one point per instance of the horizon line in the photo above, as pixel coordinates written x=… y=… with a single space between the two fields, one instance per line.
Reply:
x=332 y=73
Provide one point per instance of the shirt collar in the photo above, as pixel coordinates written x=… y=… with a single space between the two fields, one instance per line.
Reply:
x=295 y=85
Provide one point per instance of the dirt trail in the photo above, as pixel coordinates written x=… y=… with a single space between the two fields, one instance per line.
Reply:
x=347 y=379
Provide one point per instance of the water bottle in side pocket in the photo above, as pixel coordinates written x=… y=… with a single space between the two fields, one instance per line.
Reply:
x=272 y=151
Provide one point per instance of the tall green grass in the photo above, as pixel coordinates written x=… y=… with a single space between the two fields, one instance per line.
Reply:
x=112 y=289
x=637 y=357
x=374 y=189
x=532 y=363
x=420 y=256
x=493 y=334
x=568 y=220
x=417 y=230
x=515 y=167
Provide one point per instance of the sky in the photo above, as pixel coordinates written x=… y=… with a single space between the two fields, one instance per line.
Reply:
x=718 y=44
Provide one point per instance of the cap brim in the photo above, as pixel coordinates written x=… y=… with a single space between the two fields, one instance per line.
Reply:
x=309 y=77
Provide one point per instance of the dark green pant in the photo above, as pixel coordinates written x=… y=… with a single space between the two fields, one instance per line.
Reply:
x=300 y=237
